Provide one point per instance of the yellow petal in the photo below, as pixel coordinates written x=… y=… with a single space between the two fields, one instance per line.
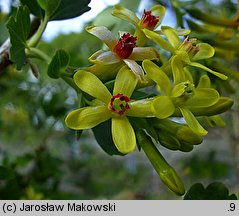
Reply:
x=125 y=82
x=157 y=75
x=192 y=121
x=87 y=117
x=103 y=34
x=163 y=107
x=140 y=108
x=104 y=58
x=142 y=53
x=123 y=135
x=91 y=84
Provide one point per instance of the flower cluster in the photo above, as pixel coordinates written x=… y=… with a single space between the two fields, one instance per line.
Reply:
x=117 y=82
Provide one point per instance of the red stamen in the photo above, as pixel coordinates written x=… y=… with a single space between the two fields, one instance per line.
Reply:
x=125 y=46
x=148 y=20
x=122 y=107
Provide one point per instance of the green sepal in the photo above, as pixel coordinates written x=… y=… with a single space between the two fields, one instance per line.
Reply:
x=58 y=64
x=19 y=28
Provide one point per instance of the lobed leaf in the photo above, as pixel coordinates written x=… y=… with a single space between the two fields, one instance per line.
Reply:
x=19 y=29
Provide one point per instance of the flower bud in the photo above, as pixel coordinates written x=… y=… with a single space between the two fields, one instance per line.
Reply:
x=168 y=141
x=186 y=136
x=167 y=174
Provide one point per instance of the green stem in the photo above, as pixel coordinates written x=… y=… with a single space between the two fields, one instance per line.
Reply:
x=65 y=74
x=32 y=52
x=37 y=36
x=71 y=83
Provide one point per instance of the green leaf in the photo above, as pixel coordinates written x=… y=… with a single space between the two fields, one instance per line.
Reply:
x=106 y=141
x=34 y=7
x=49 y=6
x=6 y=173
x=214 y=191
x=19 y=29
x=58 y=63
x=69 y=9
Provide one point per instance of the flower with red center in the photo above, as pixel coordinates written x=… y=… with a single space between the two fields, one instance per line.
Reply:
x=148 y=20
x=125 y=46
x=123 y=50
x=119 y=104
x=107 y=106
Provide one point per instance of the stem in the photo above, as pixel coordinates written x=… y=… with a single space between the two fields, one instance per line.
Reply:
x=71 y=83
x=37 y=53
x=37 y=36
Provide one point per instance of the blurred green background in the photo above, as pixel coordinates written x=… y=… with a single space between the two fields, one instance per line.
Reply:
x=46 y=161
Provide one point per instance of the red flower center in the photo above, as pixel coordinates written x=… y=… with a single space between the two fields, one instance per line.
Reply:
x=125 y=46
x=119 y=104
x=148 y=20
